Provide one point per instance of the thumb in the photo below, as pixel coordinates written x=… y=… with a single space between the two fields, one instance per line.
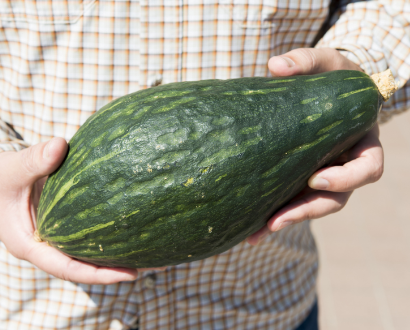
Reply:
x=305 y=61
x=31 y=164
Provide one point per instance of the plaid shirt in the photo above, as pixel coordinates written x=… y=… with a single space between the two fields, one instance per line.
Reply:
x=62 y=60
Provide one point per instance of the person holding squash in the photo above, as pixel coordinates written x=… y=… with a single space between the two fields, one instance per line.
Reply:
x=62 y=63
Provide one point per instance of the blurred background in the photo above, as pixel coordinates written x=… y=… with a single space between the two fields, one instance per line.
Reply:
x=364 y=277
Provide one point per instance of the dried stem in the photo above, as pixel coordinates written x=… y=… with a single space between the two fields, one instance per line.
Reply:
x=36 y=236
x=385 y=83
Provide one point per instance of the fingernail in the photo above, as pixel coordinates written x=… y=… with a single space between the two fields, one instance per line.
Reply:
x=319 y=183
x=287 y=61
x=284 y=224
x=47 y=148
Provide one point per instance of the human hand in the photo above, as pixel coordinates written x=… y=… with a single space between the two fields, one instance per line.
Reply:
x=22 y=177
x=329 y=188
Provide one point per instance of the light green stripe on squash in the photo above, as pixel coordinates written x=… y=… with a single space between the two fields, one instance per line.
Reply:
x=310 y=118
x=308 y=100
x=174 y=104
x=358 y=115
x=354 y=92
x=80 y=234
x=327 y=128
x=277 y=81
x=314 y=79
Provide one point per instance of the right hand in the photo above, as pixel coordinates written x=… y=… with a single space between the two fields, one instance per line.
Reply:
x=22 y=177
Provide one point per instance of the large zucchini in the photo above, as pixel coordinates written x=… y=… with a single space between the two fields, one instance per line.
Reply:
x=184 y=171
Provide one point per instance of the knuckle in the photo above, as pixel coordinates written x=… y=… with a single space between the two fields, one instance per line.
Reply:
x=377 y=172
x=340 y=61
x=307 y=212
x=28 y=160
x=310 y=58
x=345 y=184
x=308 y=216
x=63 y=276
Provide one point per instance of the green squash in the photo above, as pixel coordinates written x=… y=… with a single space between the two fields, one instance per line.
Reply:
x=184 y=171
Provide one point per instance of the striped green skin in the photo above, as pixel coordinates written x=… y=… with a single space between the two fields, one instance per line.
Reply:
x=184 y=171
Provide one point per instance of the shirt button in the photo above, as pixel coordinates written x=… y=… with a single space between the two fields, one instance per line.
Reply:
x=149 y=281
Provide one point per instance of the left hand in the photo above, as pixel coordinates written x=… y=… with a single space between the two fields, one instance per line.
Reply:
x=329 y=188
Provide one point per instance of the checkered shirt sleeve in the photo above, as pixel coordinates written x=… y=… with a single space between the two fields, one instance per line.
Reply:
x=374 y=35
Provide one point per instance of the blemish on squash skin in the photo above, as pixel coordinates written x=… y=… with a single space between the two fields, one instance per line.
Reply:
x=205 y=170
x=188 y=182
x=101 y=248
x=210 y=229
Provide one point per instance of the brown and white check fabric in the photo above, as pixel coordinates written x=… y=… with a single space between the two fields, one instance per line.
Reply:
x=61 y=60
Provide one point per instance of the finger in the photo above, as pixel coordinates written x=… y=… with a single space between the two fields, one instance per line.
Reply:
x=155 y=268
x=61 y=266
x=31 y=164
x=365 y=168
x=314 y=205
x=311 y=206
x=259 y=236
x=309 y=61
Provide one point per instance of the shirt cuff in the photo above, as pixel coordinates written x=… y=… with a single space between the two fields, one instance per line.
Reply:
x=357 y=55
x=9 y=139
